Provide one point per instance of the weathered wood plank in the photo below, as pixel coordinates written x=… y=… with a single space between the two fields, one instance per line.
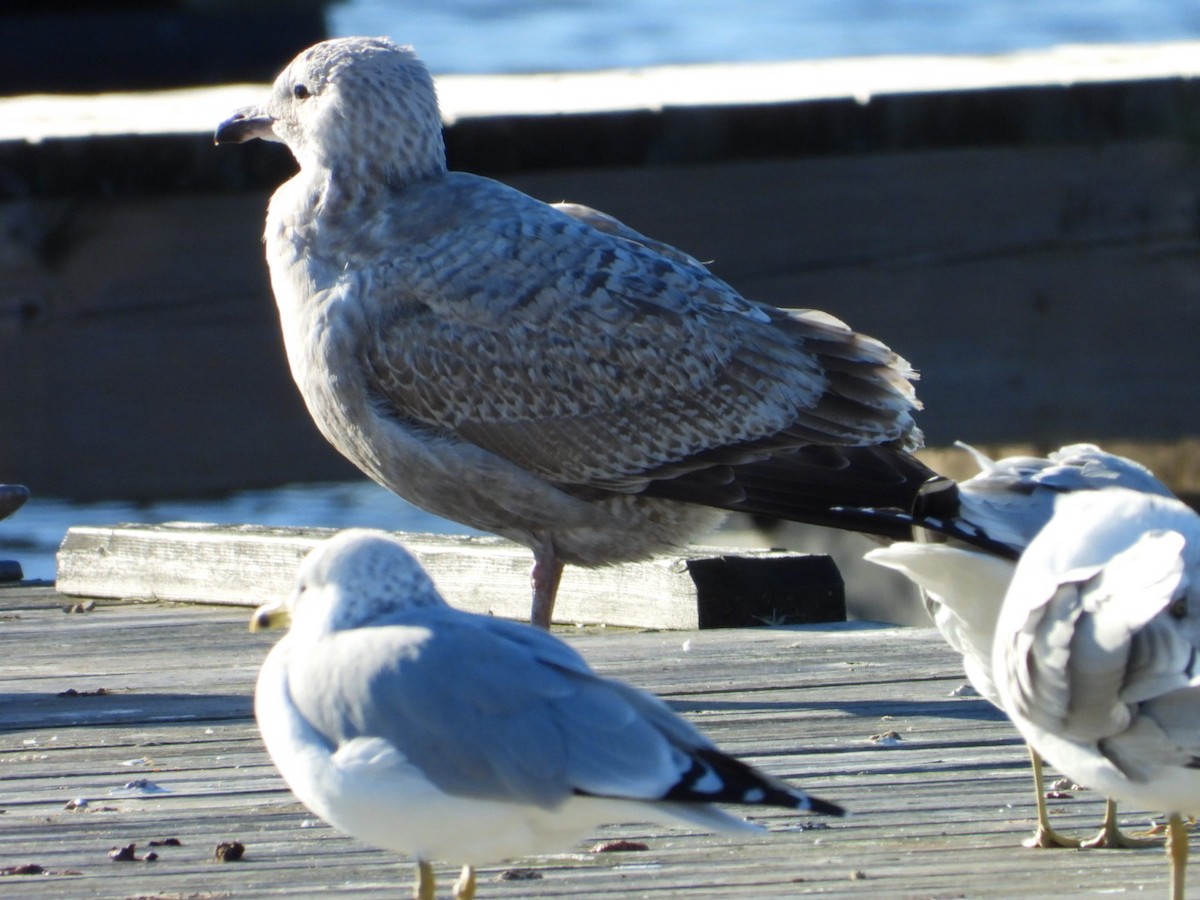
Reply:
x=938 y=813
x=703 y=588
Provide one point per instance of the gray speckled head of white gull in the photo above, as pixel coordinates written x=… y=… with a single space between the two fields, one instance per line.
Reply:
x=1009 y=501
x=447 y=735
x=544 y=371
x=1097 y=642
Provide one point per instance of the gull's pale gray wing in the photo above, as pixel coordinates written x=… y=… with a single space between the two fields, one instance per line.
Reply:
x=592 y=359
x=1166 y=733
x=489 y=709
x=1105 y=629
x=1087 y=467
x=1096 y=650
x=1012 y=498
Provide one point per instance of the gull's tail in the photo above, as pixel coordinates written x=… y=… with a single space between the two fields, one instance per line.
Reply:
x=879 y=490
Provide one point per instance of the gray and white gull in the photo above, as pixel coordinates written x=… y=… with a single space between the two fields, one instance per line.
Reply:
x=1097 y=652
x=447 y=735
x=540 y=371
x=1009 y=501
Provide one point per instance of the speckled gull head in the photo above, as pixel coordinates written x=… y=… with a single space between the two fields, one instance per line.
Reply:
x=356 y=579
x=446 y=735
x=351 y=105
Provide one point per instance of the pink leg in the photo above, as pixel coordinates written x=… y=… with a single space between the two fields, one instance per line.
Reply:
x=547 y=571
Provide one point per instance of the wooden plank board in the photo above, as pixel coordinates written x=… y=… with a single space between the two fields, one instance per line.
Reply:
x=938 y=813
x=704 y=588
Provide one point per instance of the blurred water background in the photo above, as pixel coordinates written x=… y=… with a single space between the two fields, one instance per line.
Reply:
x=481 y=36
x=470 y=36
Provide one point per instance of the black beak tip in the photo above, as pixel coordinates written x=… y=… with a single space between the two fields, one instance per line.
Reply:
x=231 y=131
x=224 y=130
x=243 y=126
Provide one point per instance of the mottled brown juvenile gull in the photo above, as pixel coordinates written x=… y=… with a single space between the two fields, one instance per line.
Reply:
x=1009 y=502
x=543 y=371
x=447 y=735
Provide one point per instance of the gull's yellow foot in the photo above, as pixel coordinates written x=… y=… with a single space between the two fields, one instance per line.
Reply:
x=423 y=887
x=1177 y=852
x=1112 y=838
x=464 y=888
x=1044 y=837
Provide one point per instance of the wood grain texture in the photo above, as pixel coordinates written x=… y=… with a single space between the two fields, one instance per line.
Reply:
x=939 y=811
x=246 y=565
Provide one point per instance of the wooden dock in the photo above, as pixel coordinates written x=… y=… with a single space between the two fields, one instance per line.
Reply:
x=158 y=693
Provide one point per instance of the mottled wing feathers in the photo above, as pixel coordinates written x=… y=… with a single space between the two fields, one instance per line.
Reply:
x=602 y=221
x=590 y=357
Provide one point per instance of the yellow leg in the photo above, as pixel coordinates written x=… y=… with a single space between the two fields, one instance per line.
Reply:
x=464 y=888
x=423 y=887
x=1044 y=837
x=1112 y=838
x=1177 y=852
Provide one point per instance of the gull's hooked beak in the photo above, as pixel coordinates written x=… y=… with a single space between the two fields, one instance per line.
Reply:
x=247 y=123
x=270 y=615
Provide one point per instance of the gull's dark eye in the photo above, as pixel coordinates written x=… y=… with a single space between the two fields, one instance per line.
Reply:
x=300 y=91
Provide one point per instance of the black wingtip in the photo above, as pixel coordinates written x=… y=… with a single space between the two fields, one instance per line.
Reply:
x=951 y=528
x=729 y=780
x=825 y=808
x=813 y=484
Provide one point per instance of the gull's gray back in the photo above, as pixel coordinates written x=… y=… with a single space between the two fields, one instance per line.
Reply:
x=489 y=709
x=1012 y=499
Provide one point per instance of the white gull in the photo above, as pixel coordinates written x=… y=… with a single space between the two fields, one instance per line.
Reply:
x=447 y=735
x=543 y=371
x=1096 y=651
x=1008 y=501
